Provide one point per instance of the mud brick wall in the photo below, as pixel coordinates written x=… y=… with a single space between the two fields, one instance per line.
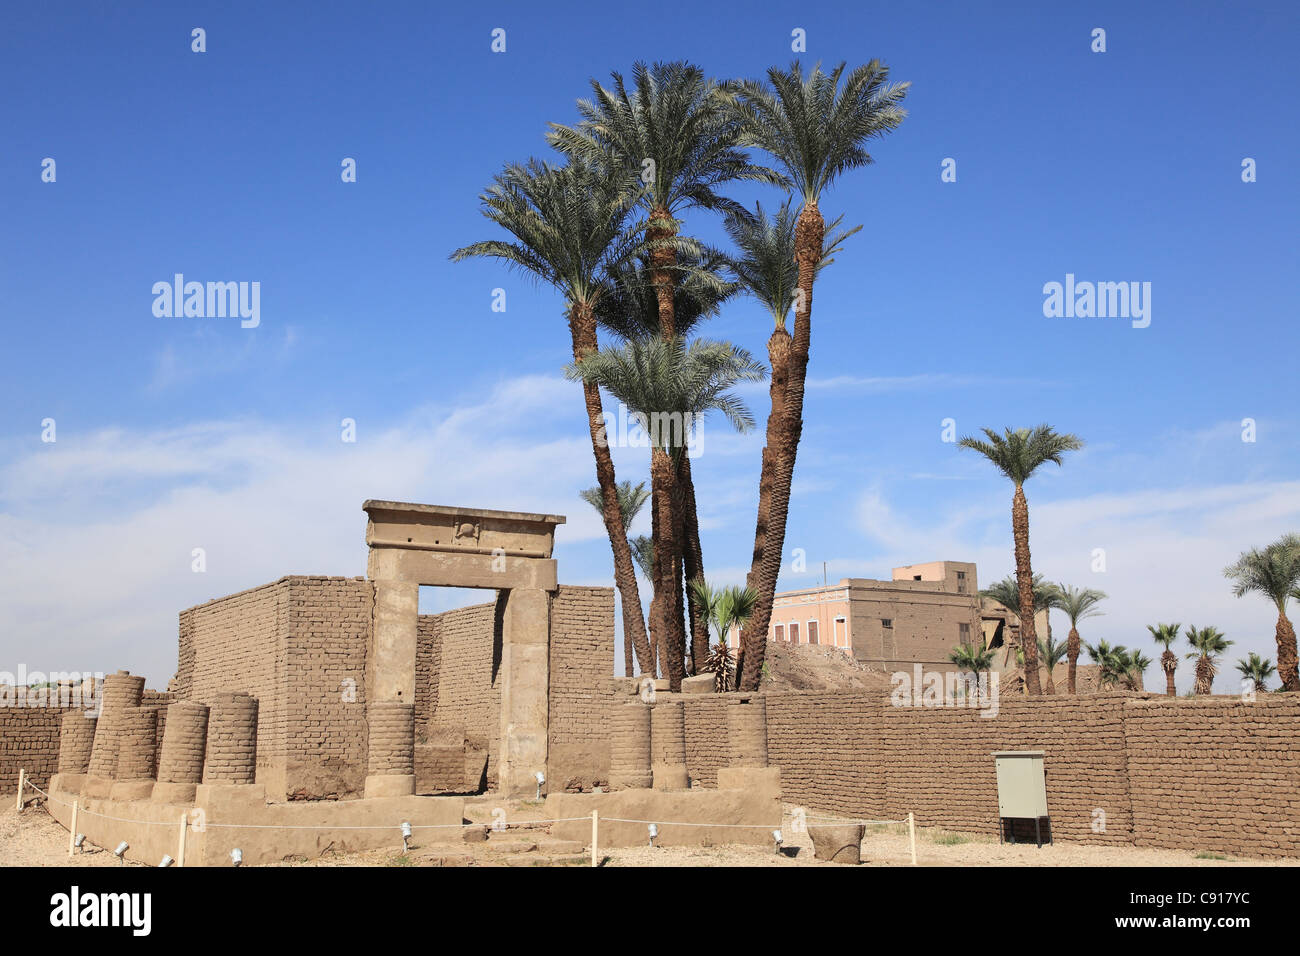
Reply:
x=1220 y=774
x=581 y=687
x=29 y=740
x=237 y=643
x=707 y=742
x=324 y=688
x=297 y=645
x=428 y=662
x=467 y=698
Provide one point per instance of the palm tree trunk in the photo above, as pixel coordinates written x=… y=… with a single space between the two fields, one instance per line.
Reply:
x=1051 y=685
x=693 y=567
x=1204 y=675
x=778 y=354
x=809 y=236
x=582 y=326
x=663 y=607
x=1072 y=647
x=1169 y=661
x=663 y=263
x=1287 y=668
x=1025 y=584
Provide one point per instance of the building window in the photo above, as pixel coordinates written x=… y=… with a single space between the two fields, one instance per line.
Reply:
x=779 y=633
x=961 y=582
x=812 y=632
x=841 y=632
x=886 y=622
x=794 y=633
x=916 y=577
x=964 y=633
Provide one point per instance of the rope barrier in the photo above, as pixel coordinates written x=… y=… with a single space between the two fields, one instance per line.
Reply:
x=515 y=825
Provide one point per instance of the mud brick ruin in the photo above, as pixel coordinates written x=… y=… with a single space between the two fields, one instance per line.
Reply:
x=307 y=710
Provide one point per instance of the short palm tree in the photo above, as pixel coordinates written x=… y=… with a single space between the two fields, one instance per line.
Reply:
x=671 y=383
x=968 y=657
x=631 y=499
x=1165 y=635
x=765 y=267
x=817 y=129
x=1209 y=643
x=1135 y=664
x=1257 y=669
x=1112 y=662
x=1274 y=572
x=572 y=228
x=1017 y=454
x=727 y=608
x=1050 y=653
x=1078 y=604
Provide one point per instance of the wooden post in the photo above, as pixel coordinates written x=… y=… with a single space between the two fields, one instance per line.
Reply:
x=22 y=780
x=911 y=834
x=72 y=831
x=595 y=825
x=180 y=845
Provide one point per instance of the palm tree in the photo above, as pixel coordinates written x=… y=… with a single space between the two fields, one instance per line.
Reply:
x=629 y=309
x=1135 y=664
x=968 y=657
x=1112 y=662
x=643 y=552
x=570 y=227
x=728 y=607
x=1051 y=652
x=1209 y=643
x=1078 y=604
x=1274 y=572
x=1256 y=668
x=816 y=129
x=1017 y=454
x=676 y=131
x=667 y=384
x=631 y=499
x=1165 y=635
x=767 y=270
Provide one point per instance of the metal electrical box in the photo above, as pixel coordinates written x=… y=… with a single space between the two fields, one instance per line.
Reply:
x=1022 y=788
x=1022 y=785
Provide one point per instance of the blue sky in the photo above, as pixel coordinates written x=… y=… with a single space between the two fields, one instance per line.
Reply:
x=178 y=433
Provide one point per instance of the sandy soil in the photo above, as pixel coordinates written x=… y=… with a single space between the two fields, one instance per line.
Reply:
x=33 y=838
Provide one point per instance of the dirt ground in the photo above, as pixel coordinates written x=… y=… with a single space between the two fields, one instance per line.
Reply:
x=33 y=838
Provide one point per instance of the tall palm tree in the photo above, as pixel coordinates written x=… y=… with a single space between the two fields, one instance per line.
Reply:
x=572 y=228
x=1050 y=653
x=1209 y=643
x=727 y=608
x=666 y=384
x=1017 y=454
x=673 y=129
x=1078 y=604
x=1165 y=635
x=630 y=310
x=816 y=128
x=1274 y=572
x=1257 y=669
x=767 y=269
x=631 y=499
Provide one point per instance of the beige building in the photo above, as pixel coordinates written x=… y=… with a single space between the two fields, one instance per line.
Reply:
x=916 y=617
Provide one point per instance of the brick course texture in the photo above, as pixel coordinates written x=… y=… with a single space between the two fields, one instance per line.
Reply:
x=29 y=740
x=1218 y=774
